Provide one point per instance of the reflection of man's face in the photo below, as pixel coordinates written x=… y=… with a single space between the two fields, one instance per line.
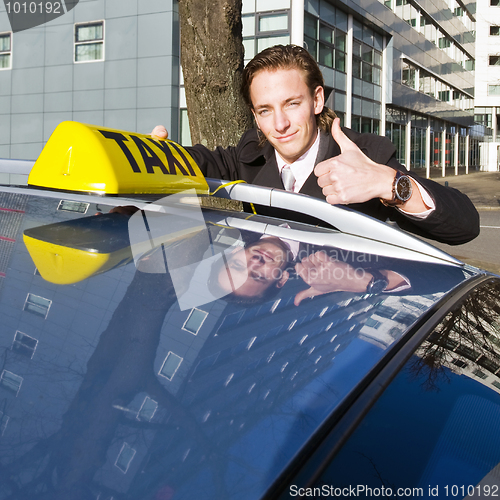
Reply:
x=252 y=270
x=286 y=111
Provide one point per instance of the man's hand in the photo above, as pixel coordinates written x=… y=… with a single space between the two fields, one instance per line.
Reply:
x=159 y=132
x=352 y=177
x=325 y=274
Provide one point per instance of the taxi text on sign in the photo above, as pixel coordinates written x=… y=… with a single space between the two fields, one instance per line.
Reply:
x=88 y=158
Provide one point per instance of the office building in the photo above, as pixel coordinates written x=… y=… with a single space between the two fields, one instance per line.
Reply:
x=401 y=68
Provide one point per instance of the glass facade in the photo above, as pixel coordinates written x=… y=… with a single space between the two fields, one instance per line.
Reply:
x=348 y=47
x=419 y=79
x=324 y=41
x=418 y=143
x=441 y=141
x=264 y=29
x=395 y=130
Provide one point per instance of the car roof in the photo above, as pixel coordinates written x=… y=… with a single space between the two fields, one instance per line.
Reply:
x=122 y=359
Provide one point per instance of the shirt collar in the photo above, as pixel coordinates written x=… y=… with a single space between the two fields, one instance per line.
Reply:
x=303 y=166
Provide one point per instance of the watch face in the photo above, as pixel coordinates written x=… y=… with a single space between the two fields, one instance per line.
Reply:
x=403 y=188
x=377 y=286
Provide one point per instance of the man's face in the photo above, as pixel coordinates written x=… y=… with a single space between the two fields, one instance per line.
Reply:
x=286 y=111
x=252 y=270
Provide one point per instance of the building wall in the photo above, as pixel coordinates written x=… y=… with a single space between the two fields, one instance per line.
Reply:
x=423 y=97
x=135 y=87
x=487 y=45
x=138 y=85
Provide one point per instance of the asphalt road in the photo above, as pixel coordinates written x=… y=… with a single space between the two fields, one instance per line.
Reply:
x=483 y=188
x=484 y=251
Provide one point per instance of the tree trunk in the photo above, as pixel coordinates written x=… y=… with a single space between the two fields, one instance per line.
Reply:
x=212 y=63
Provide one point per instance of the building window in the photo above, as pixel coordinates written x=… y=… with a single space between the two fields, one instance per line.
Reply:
x=459 y=363
x=24 y=344
x=125 y=457
x=444 y=43
x=170 y=365
x=89 y=42
x=195 y=320
x=372 y=323
x=11 y=381
x=493 y=89
x=408 y=76
x=310 y=34
x=494 y=60
x=362 y=63
x=5 y=50
x=427 y=83
x=444 y=95
x=148 y=409
x=325 y=43
x=273 y=22
x=494 y=30
x=494 y=3
x=479 y=373
x=37 y=305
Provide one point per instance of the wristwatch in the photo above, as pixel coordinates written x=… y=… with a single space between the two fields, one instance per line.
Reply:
x=401 y=190
x=378 y=283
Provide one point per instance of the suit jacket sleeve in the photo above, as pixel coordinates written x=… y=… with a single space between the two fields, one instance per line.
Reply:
x=455 y=219
x=241 y=162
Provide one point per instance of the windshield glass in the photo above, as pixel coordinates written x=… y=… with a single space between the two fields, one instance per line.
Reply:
x=182 y=352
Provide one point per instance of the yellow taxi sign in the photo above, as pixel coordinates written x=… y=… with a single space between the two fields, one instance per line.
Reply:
x=64 y=265
x=89 y=158
x=69 y=251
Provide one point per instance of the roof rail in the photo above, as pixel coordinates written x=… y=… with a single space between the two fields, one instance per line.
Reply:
x=344 y=219
x=15 y=172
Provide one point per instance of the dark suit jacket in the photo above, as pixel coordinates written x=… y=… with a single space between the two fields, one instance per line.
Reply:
x=454 y=221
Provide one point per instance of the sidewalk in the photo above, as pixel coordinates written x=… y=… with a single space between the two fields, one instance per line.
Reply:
x=483 y=188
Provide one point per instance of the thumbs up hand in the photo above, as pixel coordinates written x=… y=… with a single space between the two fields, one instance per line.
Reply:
x=352 y=177
x=325 y=274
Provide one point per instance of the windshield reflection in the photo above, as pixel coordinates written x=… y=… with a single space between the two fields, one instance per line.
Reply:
x=467 y=342
x=139 y=384
x=436 y=424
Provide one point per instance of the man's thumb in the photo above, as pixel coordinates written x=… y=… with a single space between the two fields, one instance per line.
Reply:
x=160 y=132
x=304 y=294
x=340 y=138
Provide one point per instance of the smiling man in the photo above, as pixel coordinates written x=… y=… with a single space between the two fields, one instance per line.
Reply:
x=252 y=273
x=299 y=144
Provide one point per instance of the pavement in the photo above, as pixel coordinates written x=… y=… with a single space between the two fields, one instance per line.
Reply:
x=483 y=188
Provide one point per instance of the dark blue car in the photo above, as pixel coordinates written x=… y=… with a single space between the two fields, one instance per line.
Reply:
x=192 y=349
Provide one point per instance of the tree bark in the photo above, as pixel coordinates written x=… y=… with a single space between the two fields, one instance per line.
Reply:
x=212 y=63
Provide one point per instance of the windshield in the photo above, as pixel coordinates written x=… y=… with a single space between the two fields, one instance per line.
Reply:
x=182 y=353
